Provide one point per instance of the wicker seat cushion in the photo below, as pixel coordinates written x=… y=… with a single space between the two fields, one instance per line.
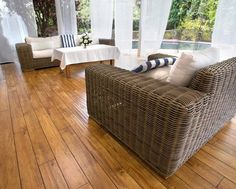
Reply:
x=43 y=53
x=160 y=73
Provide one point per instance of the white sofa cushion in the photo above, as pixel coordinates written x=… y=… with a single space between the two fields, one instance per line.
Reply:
x=37 y=46
x=181 y=72
x=30 y=40
x=186 y=65
x=47 y=53
x=55 y=40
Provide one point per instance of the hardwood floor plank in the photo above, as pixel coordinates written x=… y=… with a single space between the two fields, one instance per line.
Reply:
x=71 y=170
x=29 y=170
x=87 y=186
x=226 y=184
x=18 y=120
x=220 y=154
x=3 y=96
x=52 y=176
x=41 y=147
x=9 y=173
x=23 y=118
x=204 y=171
x=228 y=148
x=226 y=138
x=217 y=165
x=194 y=180
x=95 y=174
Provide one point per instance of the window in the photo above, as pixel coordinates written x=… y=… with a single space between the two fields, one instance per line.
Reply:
x=83 y=16
x=190 y=24
x=45 y=11
x=136 y=19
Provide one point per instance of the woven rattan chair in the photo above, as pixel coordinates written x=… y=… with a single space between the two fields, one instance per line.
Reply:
x=162 y=123
x=28 y=63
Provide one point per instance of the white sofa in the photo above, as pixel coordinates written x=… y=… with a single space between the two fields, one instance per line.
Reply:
x=36 y=52
x=43 y=47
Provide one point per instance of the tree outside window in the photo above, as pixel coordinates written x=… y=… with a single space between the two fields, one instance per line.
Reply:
x=45 y=11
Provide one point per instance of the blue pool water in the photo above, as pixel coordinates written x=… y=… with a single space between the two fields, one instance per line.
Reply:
x=180 y=45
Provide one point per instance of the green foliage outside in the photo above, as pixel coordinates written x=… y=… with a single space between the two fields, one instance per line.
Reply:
x=83 y=16
x=192 y=19
x=46 y=20
x=136 y=15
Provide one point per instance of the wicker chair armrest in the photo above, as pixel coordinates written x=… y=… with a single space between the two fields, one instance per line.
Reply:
x=107 y=42
x=25 y=55
x=158 y=55
x=213 y=79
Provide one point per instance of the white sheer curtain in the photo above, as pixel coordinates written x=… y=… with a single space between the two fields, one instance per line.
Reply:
x=101 y=14
x=66 y=16
x=154 y=18
x=25 y=9
x=124 y=24
x=225 y=23
x=13 y=27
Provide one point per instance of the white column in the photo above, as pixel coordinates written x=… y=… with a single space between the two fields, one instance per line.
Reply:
x=154 y=18
x=224 y=31
x=101 y=13
x=124 y=24
x=66 y=16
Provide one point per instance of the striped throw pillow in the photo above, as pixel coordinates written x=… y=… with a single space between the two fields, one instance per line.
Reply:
x=68 y=40
x=149 y=65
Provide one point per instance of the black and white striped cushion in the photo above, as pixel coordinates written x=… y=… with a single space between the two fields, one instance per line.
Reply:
x=149 y=65
x=68 y=40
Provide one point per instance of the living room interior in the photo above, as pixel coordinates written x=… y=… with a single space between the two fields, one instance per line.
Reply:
x=117 y=94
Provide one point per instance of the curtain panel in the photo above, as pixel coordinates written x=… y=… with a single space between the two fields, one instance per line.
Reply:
x=66 y=16
x=154 y=18
x=124 y=24
x=17 y=20
x=101 y=14
x=25 y=9
x=224 y=31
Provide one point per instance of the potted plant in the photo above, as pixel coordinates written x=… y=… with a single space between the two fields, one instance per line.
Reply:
x=85 y=40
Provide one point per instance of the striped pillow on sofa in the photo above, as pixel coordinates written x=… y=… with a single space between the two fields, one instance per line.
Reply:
x=68 y=40
x=149 y=65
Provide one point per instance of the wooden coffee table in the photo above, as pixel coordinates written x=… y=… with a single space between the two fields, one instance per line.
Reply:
x=77 y=55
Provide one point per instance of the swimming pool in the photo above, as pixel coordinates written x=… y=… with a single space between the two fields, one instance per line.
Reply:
x=180 y=45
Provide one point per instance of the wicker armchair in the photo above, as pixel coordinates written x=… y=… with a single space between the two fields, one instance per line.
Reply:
x=28 y=63
x=162 y=123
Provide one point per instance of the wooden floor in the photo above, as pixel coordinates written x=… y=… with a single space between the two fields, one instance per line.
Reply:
x=48 y=141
